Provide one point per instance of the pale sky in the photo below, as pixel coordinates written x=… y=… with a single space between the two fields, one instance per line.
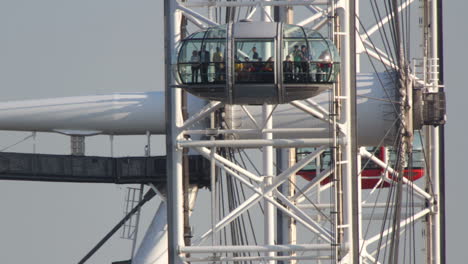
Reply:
x=53 y=48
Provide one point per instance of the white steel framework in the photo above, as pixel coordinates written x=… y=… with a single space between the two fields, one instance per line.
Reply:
x=333 y=229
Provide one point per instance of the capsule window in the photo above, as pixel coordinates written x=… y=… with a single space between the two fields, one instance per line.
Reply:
x=254 y=61
x=257 y=63
x=189 y=62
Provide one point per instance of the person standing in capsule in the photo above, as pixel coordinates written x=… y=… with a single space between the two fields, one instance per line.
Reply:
x=205 y=61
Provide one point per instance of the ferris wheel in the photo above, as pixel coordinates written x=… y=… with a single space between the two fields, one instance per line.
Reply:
x=289 y=75
x=312 y=132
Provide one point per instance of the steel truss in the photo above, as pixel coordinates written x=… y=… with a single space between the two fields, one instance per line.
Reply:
x=334 y=228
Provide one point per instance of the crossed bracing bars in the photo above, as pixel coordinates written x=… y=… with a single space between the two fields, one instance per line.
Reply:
x=290 y=206
x=258 y=184
x=243 y=175
x=389 y=175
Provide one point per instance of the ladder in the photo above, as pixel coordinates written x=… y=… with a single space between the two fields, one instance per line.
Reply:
x=130 y=228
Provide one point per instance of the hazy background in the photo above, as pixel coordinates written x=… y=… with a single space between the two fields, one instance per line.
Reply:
x=52 y=48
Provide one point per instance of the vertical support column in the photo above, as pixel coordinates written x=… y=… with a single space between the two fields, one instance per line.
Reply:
x=358 y=55
x=77 y=144
x=292 y=231
x=359 y=202
x=289 y=15
x=441 y=128
x=148 y=144
x=267 y=14
x=287 y=229
x=34 y=134
x=269 y=217
x=213 y=196
x=210 y=12
x=173 y=122
x=111 y=142
x=137 y=221
x=286 y=225
x=434 y=136
x=350 y=198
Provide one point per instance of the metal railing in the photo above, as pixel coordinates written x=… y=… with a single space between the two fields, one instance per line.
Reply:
x=308 y=72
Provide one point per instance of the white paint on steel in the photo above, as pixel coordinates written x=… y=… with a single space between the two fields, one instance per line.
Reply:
x=153 y=248
x=114 y=114
x=375 y=111
x=130 y=114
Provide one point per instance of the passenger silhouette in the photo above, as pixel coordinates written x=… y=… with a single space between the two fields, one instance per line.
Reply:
x=324 y=67
x=218 y=60
x=195 y=65
x=205 y=61
x=254 y=53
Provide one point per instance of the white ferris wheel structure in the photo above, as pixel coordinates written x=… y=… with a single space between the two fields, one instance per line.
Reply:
x=319 y=125
x=310 y=222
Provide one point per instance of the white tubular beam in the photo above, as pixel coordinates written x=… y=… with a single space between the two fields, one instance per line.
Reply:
x=250 y=15
x=310 y=111
x=296 y=167
x=321 y=24
x=244 y=181
x=359 y=175
x=314 y=9
x=434 y=172
x=378 y=205
x=247 y=112
x=266 y=12
x=312 y=103
x=231 y=216
x=262 y=259
x=176 y=192
x=210 y=132
x=347 y=172
x=255 y=143
x=403 y=223
x=221 y=162
x=385 y=61
x=299 y=196
x=175 y=196
x=384 y=21
x=348 y=119
x=213 y=193
x=256 y=197
x=385 y=166
x=371 y=258
x=322 y=232
x=384 y=244
x=269 y=215
x=312 y=18
x=434 y=136
x=304 y=221
x=190 y=12
x=253 y=3
x=316 y=114
x=268 y=173
x=249 y=203
x=268 y=118
x=204 y=113
x=195 y=21
x=380 y=53
x=260 y=248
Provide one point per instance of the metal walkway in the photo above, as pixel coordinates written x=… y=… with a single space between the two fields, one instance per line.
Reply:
x=90 y=169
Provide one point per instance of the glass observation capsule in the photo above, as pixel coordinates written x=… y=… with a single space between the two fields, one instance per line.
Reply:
x=256 y=63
